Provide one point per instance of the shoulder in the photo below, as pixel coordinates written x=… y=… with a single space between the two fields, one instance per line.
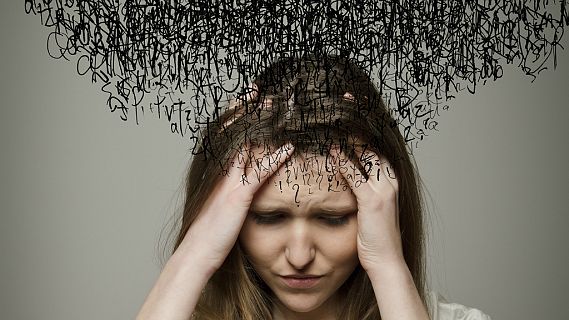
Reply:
x=443 y=310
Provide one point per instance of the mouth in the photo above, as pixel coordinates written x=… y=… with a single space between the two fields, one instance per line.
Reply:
x=301 y=281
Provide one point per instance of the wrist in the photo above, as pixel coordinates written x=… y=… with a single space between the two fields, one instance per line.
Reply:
x=177 y=290
x=194 y=261
x=395 y=291
x=389 y=271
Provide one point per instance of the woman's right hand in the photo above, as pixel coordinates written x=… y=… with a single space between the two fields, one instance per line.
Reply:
x=216 y=228
x=209 y=239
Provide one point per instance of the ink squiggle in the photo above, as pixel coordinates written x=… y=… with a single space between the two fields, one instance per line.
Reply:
x=182 y=61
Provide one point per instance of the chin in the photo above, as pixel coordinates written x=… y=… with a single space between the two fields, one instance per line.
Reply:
x=301 y=302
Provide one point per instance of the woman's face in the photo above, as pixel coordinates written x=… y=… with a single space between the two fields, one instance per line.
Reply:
x=301 y=229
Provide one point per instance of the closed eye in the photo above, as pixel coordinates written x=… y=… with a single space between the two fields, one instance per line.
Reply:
x=274 y=218
x=334 y=221
x=267 y=218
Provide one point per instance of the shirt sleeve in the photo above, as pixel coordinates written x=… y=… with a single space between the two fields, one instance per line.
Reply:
x=443 y=310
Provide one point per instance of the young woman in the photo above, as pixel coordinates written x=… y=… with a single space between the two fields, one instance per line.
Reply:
x=302 y=203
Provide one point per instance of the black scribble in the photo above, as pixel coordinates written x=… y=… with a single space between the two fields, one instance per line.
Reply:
x=181 y=61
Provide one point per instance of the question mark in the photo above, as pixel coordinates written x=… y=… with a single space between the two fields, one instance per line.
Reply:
x=296 y=194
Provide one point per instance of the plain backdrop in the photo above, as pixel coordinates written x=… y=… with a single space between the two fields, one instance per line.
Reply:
x=86 y=198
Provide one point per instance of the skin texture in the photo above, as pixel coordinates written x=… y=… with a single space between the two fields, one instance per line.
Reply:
x=300 y=243
x=178 y=288
x=289 y=231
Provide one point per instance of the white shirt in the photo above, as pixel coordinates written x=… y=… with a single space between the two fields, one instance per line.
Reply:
x=443 y=310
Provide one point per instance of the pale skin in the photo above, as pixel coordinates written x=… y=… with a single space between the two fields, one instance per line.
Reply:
x=374 y=233
x=296 y=226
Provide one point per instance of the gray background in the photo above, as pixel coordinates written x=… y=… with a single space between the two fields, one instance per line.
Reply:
x=85 y=196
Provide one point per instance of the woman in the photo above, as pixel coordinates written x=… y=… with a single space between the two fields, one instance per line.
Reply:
x=302 y=203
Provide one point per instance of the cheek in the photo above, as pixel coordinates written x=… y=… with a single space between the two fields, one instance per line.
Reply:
x=259 y=244
x=340 y=246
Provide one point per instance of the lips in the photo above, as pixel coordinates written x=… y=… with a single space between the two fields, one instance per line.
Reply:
x=301 y=281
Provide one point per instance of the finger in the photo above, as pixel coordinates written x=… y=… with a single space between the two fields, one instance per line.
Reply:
x=381 y=169
x=238 y=164
x=250 y=93
x=358 y=185
x=370 y=162
x=377 y=181
x=391 y=178
x=389 y=172
x=268 y=165
x=266 y=104
x=237 y=105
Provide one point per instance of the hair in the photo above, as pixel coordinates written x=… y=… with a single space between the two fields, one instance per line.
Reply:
x=314 y=102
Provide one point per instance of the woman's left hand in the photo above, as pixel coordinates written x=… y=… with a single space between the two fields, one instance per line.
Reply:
x=379 y=236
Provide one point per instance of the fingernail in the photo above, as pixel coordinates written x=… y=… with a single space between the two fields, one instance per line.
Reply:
x=287 y=147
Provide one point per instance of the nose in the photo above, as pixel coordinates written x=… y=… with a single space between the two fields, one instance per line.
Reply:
x=300 y=250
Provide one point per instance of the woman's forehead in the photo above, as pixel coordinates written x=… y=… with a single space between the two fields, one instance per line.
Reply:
x=307 y=181
x=301 y=163
x=306 y=184
x=304 y=168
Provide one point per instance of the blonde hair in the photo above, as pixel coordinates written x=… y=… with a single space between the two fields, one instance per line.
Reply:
x=313 y=102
